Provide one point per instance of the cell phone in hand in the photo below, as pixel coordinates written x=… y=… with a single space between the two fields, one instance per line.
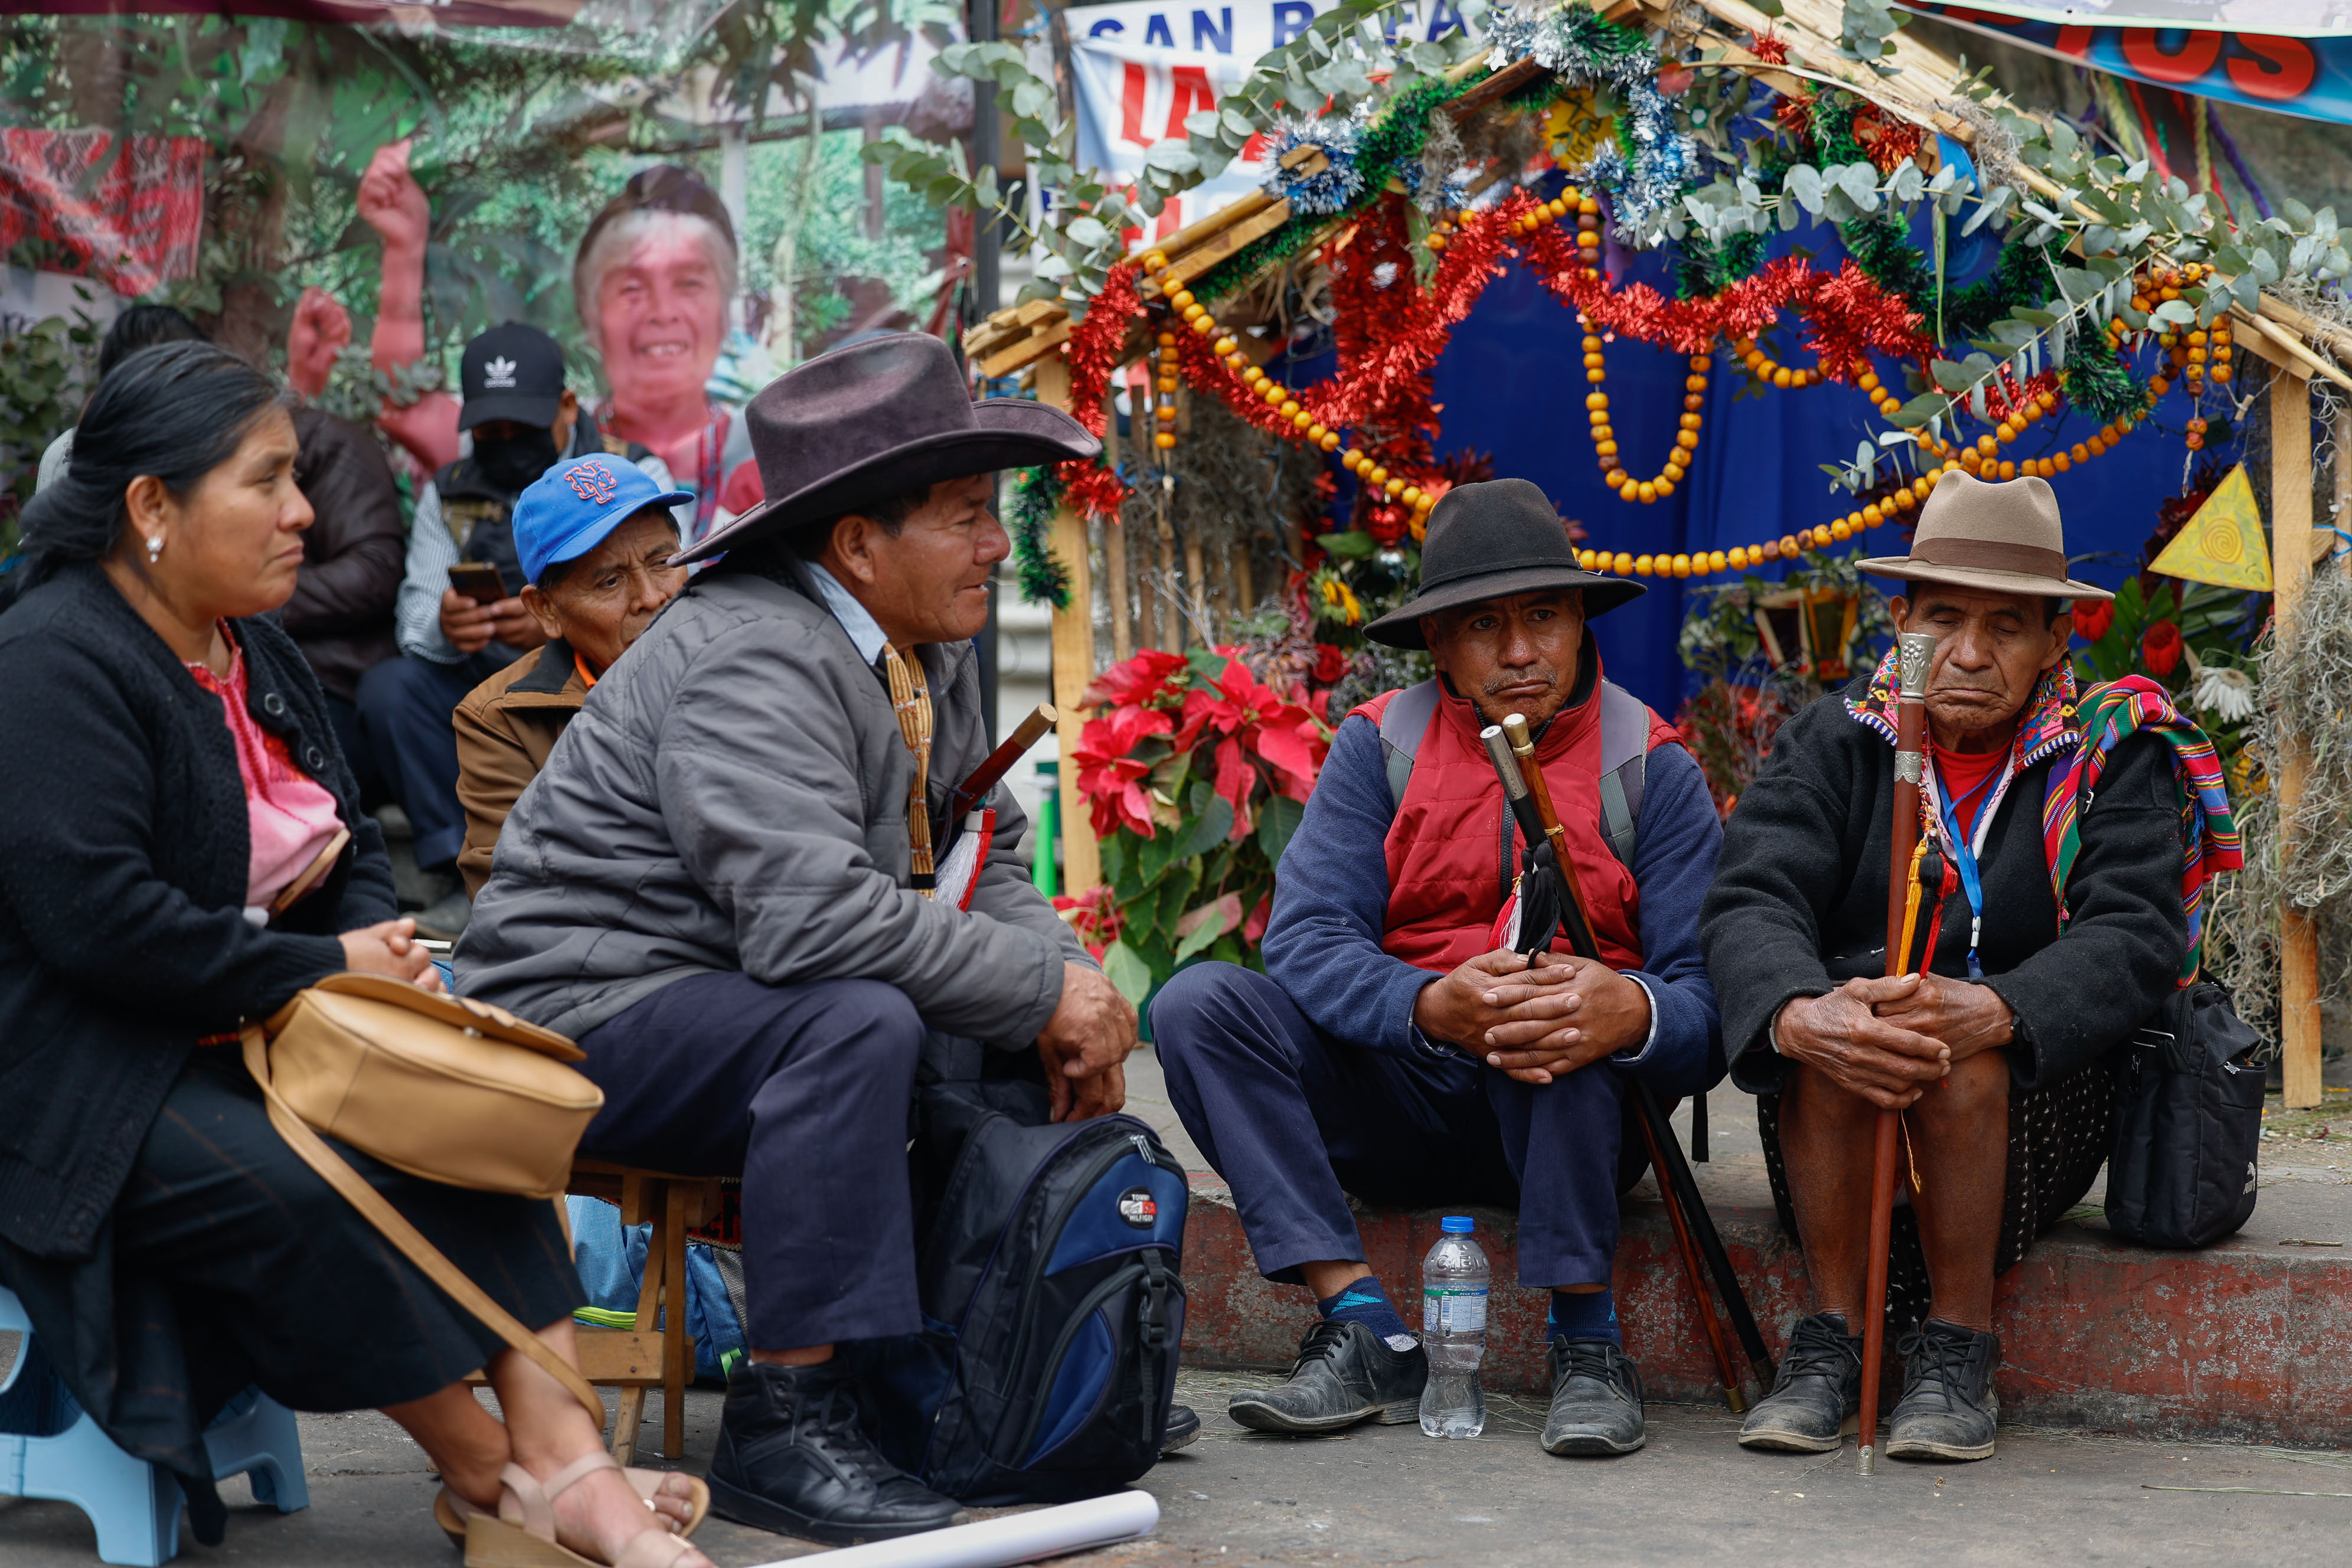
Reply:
x=478 y=581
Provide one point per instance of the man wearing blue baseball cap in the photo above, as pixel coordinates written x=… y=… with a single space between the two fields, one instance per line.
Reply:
x=460 y=618
x=593 y=539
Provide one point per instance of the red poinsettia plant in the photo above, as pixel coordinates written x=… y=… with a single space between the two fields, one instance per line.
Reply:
x=1196 y=772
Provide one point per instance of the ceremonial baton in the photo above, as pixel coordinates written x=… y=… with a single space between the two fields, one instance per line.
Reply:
x=1915 y=651
x=1530 y=793
x=974 y=790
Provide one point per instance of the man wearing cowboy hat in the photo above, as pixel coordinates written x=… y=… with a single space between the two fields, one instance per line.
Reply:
x=1993 y=1055
x=1393 y=1048
x=720 y=885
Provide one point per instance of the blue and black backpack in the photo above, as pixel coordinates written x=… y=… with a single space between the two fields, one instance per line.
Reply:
x=1048 y=1256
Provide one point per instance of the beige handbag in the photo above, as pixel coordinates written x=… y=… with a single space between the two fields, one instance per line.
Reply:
x=440 y=1088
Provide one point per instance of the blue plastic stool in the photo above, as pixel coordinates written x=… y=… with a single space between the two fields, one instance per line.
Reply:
x=51 y=1447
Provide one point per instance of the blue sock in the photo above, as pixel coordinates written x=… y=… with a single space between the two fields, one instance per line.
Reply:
x=1365 y=1303
x=1584 y=1315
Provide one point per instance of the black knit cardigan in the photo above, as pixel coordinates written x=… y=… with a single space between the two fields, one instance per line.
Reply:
x=1799 y=904
x=123 y=861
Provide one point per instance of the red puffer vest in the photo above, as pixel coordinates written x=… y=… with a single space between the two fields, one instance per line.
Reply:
x=1453 y=849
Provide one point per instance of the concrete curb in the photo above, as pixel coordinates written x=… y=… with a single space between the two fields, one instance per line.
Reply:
x=2238 y=1341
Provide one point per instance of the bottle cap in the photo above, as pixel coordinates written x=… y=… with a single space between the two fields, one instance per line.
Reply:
x=1457 y=1225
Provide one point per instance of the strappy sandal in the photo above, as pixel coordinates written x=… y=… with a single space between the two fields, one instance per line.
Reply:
x=451 y=1511
x=499 y=1542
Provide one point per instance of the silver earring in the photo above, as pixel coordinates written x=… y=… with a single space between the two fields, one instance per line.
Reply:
x=154 y=548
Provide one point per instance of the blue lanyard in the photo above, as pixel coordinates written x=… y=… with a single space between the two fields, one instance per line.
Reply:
x=1965 y=859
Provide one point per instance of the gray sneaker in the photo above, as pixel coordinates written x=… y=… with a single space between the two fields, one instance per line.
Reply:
x=1948 y=1407
x=1596 y=1399
x=1816 y=1396
x=1344 y=1374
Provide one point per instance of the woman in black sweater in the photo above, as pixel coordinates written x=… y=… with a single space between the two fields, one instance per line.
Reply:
x=170 y=773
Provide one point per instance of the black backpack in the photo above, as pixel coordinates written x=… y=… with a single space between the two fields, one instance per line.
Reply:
x=2188 y=1124
x=1047 y=1258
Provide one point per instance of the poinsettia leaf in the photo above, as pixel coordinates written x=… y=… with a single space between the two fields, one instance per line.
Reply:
x=1353 y=545
x=1125 y=969
x=1276 y=824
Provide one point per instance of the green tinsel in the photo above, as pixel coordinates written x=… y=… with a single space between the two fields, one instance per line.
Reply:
x=2100 y=383
x=1833 y=139
x=2021 y=276
x=1704 y=269
x=1037 y=496
x=1881 y=245
x=1392 y=144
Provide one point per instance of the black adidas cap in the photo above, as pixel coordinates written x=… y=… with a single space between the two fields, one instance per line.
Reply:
x=513 y=371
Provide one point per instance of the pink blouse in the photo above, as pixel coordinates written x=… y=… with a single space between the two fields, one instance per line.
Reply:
x=290 y=814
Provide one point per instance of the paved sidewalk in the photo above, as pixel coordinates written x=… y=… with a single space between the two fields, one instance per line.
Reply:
x=1387 y=1495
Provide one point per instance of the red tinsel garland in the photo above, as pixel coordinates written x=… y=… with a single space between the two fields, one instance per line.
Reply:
x=1390 y=336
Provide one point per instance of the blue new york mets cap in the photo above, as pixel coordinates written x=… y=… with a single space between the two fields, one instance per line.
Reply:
x=569 y=510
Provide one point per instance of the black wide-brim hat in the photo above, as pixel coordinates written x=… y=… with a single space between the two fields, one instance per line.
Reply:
x=1491 y=541
x=876 y=419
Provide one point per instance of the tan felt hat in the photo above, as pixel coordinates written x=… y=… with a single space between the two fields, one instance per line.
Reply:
x=2000 y=538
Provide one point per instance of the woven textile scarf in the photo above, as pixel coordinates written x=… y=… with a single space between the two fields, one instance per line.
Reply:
x=2209 y=834
x=911 y=699
x=2090 y=727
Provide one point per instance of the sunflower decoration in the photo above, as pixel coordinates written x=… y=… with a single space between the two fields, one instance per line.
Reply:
x=1333 y=600
x=1577 y=125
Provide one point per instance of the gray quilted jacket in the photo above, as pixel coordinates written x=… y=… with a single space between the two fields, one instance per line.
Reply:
x=733 y=796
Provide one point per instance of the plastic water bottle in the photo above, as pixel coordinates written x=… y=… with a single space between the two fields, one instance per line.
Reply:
x=1453 y=1280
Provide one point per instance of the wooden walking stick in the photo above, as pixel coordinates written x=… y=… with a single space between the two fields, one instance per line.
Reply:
x=999 y=763
x=1915 y=651
x=1561 y=907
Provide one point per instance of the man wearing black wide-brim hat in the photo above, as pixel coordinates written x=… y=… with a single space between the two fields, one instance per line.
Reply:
x=730 y=884
x=1396 y=1049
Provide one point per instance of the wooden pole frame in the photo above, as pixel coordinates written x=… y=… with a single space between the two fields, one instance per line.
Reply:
x=1074 y=659
x=2290 y=411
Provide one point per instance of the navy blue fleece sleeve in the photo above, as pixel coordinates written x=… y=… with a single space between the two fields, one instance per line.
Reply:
x=1331 y=905
x=1679 y=837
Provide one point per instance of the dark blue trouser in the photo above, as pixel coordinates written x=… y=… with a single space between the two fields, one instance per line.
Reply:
x=805 y=1092
x=1295 y=1119
x=405 y=707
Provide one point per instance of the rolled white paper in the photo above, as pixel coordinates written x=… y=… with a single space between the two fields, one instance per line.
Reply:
x=999 y=1543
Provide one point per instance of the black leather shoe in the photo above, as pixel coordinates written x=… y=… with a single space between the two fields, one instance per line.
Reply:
x=1948 y=1407
x=1596 y=1399
x=792 y=1459
x=1183 y=1427
x=1816 y=1396
x=1344 y=1374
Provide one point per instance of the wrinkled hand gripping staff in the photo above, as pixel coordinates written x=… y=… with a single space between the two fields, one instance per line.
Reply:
x=1918 y=651
x=1550 y=901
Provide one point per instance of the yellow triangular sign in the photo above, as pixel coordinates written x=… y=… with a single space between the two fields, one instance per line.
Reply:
x=2224 y=542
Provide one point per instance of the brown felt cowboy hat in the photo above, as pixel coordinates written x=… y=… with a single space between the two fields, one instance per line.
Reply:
x=876 y=419
x=1998 y=538
x=1491 y=541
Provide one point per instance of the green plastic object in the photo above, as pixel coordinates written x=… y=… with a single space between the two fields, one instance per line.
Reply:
x=1044 y=865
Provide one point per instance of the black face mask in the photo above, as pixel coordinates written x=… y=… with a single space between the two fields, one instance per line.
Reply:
x=512 y=462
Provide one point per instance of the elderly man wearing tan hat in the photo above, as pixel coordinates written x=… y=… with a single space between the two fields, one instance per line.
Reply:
x=1994 y=1053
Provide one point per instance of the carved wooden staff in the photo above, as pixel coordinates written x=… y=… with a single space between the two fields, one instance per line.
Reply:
x=1915 y=651
x=1562 y=906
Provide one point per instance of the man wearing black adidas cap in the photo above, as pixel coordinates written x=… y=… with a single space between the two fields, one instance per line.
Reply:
x=522 y=420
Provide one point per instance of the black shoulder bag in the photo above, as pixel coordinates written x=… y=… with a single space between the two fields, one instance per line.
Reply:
x=2188 y=1120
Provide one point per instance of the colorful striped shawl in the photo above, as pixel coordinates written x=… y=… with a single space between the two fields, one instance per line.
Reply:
x=2091 y=727
x=2209 y=834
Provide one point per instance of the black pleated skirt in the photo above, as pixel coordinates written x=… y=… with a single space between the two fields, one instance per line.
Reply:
x=2058 y=1138
x=229 y=1262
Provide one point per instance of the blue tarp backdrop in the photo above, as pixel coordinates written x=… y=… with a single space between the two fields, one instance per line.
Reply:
x=1511 y=384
